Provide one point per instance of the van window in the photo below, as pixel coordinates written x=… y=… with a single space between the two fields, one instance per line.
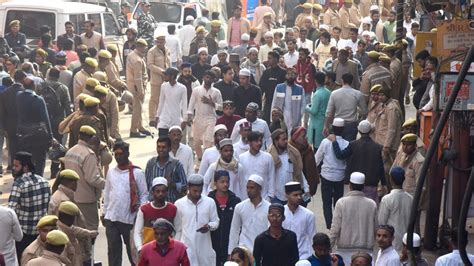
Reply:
x=97 y=22
x=111 y=27
x=31 y=21
x=162 y=12
x=78 y=20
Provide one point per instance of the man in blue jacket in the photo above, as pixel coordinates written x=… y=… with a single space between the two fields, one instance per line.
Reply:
x=290 y=98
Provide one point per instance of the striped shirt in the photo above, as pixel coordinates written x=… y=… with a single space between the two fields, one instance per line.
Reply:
x=29 y=198
x=173 y=171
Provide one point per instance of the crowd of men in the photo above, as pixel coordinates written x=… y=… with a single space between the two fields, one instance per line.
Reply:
x=250 y=121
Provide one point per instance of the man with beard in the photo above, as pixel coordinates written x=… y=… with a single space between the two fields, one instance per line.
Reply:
x=180 y=151
x=125 y=191
x=271 y=77
x=29 y=198
x=158 y=61
x=199 y=68
x=173 y=103
x=251 y=113
x=305 y=71
x=171 y=169
x=204 y=102
x=195 y=219
x=212 y=154
x=377 y=25
x=70 y=34
x=226 y=162
x=390 y=25
x=290 y=98
x=246 y=93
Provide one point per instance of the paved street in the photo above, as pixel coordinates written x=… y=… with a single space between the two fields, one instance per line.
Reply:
x=142 y=150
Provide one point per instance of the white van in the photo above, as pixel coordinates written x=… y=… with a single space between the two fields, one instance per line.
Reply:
x=34 y=14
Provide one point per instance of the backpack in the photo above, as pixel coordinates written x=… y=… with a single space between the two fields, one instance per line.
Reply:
x=51 y=98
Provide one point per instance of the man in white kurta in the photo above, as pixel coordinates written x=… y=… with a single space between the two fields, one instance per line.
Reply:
x=387 y=256
x=395 y=207
x=299 y=219
x=204 y=102
x=196 y=217
x=260 y=163
x=212 y=154
x=181 y=152
x=186 y=35
x=250 y=216
x=11 y=232
x=242 y=145
x=173 y=102
x=227 y=162
x=257 y=125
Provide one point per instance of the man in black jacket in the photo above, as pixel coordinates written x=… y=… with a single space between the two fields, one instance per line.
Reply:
x=225 y=202
x=34 y=128
x=9 y=113
x=271 y=77
x=364 y=155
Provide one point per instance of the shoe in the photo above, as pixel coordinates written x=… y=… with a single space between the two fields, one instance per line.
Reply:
x=145 y=132
x=137 y=135
x=152 y=124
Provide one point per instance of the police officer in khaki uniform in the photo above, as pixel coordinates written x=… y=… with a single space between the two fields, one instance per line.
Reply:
x=344 y=13
x=108 y=68
x=108 y=104
x=396 y=71
x=82 y=159
x=79 y=83
x=88 y=117
x=387 y=126
x=410 y=160
x=374 y=106
x=158 y=60
x=56 y=241
x=101 y=93
x=355 y=16
x=306 y=13
x=68 y=212
x=35 y=249
x=136 y=82
x=411 y=126
x=331 y=16
x=64 y=186
x=374 y=74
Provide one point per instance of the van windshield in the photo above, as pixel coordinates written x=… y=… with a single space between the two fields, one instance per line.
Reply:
x=162 y=12
x=31 y=21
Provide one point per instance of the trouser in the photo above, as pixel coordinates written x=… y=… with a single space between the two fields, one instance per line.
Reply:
x=2 y=138
x=307 y=98
x=55 y=165
x=371 y=193
x=163 y=132
x=137 y=123
x=331 y=191
x=12 y=141
x=90 y=213
x=155 y=90
x=349 y=132
x=115 y=233
x=23 y=244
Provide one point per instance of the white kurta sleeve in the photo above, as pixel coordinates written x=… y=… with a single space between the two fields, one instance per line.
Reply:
x=271 y=178
x=207 y=180
x=190 y=163
x=142 y=188
x=311 y=230
x=235 y=227
x=184 y=104
x=178 y=223
x=138 y=230
x=214 y=218
x=161 y=102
